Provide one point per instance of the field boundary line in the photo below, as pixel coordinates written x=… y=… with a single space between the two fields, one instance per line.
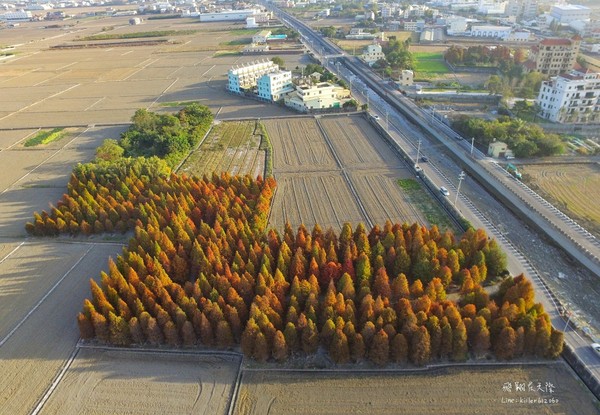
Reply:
x=12 y=252
x=21 y=140
x=236 y=387
x=50 y=291
x=182 y=352
x=345 y=175
x=55 y=382
x=426 y=368
x=40 y=101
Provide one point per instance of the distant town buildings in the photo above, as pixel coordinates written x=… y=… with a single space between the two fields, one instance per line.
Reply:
x=17 y=16
x=553 y=56
x=496 y=32
x=229 y=15
x=522 y=9
x=372 y=54
x=567 y=13
x=570 y=97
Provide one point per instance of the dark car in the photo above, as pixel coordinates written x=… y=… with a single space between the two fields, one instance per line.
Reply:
x=424 y=159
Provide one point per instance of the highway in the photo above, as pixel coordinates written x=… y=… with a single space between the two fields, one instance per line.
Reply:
x=398 y=115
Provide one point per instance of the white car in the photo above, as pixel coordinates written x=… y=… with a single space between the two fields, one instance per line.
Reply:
x=375 y=117
x=444 y=191
x=596 y=347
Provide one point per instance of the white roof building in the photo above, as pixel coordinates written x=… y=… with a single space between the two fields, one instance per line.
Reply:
x=261 y=37
x=18 y=16
x=571 y=97
x=230 y=15
x=319 y=96
x=566 y=13
x=500 y=32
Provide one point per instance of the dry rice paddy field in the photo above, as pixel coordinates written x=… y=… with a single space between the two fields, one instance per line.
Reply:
x=93 y=92
x=230 y=146
x=105 y=85
x=107 y=382
x=335 y=169
x=453 y=391
x=573 y=188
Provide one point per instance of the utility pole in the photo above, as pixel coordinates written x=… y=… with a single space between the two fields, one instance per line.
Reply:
x=418 y=151
x=472 y=143
x=432 y=113
x=461 y=177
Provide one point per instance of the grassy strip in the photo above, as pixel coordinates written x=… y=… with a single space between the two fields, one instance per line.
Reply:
x=425 y=204
x=226 y=53
x=265 y=144
x=45 y=137
x=138 y=35
x=174 y=104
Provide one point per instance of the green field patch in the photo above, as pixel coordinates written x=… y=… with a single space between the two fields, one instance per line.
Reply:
x=174 y=104
x=45 y=137
x=234 y=146
x=423 y=201
x=237 y=42
x=242 y=32
x=138 y=35
x=430 y=62
x=221 y=53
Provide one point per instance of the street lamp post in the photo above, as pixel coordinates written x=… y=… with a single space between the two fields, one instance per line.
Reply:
x=418 y=151
x=461 y=177
x=472 y=143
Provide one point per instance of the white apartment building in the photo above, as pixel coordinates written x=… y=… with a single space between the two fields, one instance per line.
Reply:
x=272 y=86
x=570 y=97
x=500 y=32
x=520 y=36
x=522 y=9
x=567 y=13
x=372 y=54
x=319 y=96
x=246 y=77
x=457 y=25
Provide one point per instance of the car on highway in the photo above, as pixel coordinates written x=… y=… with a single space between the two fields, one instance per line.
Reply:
x=596 y=347
x=418 y=168
x=375 y=117
x=424 y=159
x=444 y=191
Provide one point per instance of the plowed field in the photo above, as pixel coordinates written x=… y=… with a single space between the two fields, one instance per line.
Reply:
x=573 y=188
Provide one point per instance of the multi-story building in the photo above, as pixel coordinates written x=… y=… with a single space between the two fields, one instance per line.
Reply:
x=315 y=97
x=522 y=9
x=567 y=13
x=570 y=97
x=553 y=56
x=372 y=54
x=272 y=86
x=246 y=77
x=457 y=25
